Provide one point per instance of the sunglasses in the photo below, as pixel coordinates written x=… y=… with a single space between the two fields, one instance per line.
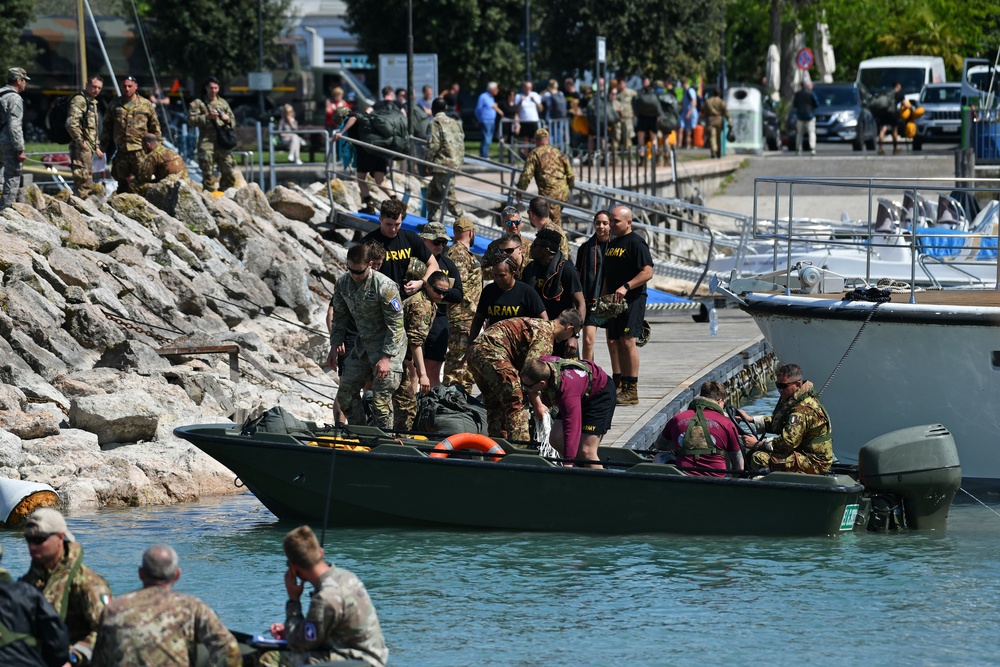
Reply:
x=512 y=223
x=440 y=291
x=36 y=539
x=357 y=272
x=439 y=242
x=785 y=385
x=510 y=251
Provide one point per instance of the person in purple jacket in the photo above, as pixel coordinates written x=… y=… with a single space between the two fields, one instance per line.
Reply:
x=584 y=395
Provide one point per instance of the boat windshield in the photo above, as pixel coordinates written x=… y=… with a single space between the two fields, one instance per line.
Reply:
x=882 y=78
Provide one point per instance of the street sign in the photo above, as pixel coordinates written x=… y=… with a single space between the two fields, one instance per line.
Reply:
x=260 y=81
x=601 y=50
x=392 y=71
x=804 y=58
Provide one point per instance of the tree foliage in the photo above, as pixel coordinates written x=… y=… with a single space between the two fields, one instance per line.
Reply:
x=860 y=29
x=14 y=15
x=480 y=40
x=202 y=38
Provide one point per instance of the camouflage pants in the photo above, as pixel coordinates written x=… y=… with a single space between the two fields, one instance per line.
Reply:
x=358 y=371
x=796 y=462
x=126 y=164
x=501 y=387
x=456 y=371
x=404 y=400
x=208 y=157
x=10 y=168
x=81 y=159
x=435 y=192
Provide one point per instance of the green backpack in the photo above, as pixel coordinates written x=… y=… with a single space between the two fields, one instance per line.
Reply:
x=386 y=128
x=697 y=440
x=448 y=410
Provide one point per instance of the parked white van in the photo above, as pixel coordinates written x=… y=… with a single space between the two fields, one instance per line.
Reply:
x=912 y=72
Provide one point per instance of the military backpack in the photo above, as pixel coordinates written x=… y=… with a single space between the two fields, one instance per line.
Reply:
x=56 y=117
x=697 y=440
x=449 y=410
x=883 y=103
x=647 y=104
x=384 y=127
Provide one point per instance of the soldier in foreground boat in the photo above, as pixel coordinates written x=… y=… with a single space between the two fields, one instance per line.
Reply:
x=31 y=632
x=78 y=593
x=156 y=625
x=341 y=623
x=803 y=440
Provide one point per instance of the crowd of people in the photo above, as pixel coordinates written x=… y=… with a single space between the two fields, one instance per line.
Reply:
x=61 y=612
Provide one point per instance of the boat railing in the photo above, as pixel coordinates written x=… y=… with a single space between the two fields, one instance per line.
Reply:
x=788 y=235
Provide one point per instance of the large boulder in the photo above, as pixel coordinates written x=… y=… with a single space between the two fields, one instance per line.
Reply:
x=132 y=355
x=71 y=268
x=87 y=324
x=190 y=300
x=32 y=384
x=253 y=200
x=179 y=199
x=289 y=282
x=291 y=204
x=29 y=426
x=119 y=417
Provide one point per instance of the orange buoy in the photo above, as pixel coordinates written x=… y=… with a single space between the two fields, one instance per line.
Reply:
x=474 y=441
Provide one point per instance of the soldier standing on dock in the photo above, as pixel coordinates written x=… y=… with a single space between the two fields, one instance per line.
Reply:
x=551 y=170
x=81 y=124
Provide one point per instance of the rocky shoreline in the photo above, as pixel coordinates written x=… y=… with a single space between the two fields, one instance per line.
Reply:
x=91 y=293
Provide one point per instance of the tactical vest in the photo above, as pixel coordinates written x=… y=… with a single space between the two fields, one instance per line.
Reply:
x=563 y=364
x=698 y=439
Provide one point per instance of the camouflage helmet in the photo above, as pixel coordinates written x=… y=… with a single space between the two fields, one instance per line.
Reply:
x=340 y=115
x=607 y=309
x=644 y=334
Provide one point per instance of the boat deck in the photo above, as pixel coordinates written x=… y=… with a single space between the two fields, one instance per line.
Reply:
x=948 y=297
x=678 y=357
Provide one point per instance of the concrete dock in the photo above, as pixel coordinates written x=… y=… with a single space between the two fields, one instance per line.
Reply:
x=679 y=356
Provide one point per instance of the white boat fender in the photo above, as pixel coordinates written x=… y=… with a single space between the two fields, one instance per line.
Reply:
x=19 y=498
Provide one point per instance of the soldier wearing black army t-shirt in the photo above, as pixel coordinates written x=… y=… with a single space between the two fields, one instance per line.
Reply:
x=400 y=246
x=628 y=266
x=504 y=298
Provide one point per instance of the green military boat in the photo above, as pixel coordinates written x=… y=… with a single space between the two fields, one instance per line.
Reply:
x=364 y=477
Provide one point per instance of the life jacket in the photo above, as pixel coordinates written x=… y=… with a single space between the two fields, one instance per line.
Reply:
x=697 y=440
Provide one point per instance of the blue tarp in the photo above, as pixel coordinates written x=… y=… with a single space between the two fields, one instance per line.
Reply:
x=942 y=242
x=414 y=222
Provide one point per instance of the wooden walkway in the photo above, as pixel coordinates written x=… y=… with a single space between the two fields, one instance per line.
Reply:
x=680 y=356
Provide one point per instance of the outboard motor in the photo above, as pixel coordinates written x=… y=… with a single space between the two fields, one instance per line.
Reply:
x=918 y=464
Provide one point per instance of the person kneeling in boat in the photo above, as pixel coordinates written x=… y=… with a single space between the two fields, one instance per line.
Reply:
x=803 y=440
x=702 y=438
x=341 y=623
x=584 y=395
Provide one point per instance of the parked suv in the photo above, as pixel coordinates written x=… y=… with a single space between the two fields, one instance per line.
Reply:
x=839 y=117
x=942 y=119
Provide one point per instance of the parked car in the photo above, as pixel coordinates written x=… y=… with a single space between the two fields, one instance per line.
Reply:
x=840 y=117
x=942 y=119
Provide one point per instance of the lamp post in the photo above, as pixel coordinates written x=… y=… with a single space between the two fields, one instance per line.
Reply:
x=260 y=51
x=527 y=40
x=409 y=70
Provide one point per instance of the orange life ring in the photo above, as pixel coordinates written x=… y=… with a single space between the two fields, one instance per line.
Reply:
x=480 y=443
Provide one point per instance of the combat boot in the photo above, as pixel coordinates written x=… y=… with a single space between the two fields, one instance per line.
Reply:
x=628 y=394
x=368 y=206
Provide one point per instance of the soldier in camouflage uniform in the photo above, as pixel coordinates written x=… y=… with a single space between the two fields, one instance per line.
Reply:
x=372 y=299
x=156 y=626
x=159 y=164
x=206 y=114
x=341 y=623
x=446 y=147
x=497 y=357
x=552 y=172
x=419 y=312
x=78 y=593
x=460 y=315
x=626 y=115
x=128 y=118
x=81 y=124
x=804 y=440
x=12 y=134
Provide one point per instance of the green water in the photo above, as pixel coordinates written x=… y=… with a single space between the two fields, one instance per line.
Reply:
x=459 y=598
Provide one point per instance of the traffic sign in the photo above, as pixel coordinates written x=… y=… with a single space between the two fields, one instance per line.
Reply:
x=804 y=58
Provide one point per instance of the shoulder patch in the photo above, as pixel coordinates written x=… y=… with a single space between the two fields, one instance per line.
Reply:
x=105 y=598
x=794 y=419
x=395 y=304
x=310 y=631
